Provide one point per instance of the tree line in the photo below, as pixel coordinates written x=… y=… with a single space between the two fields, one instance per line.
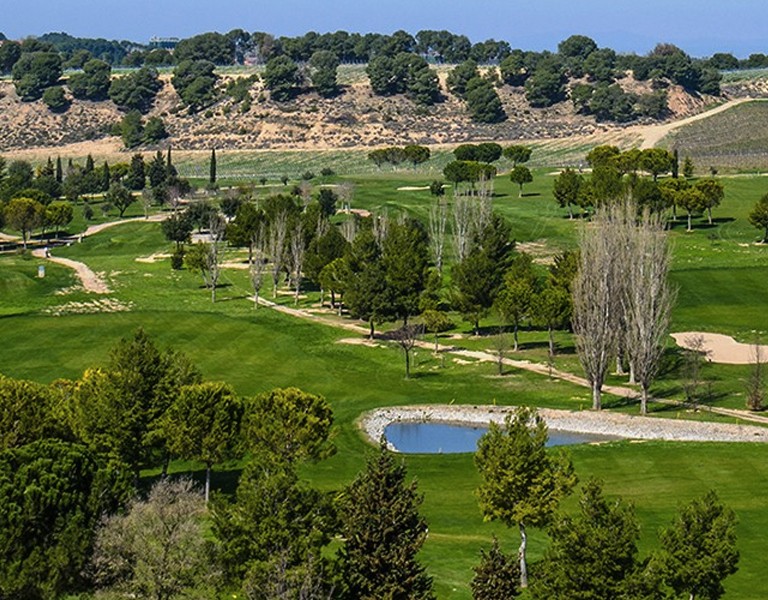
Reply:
x=593 y=553
x=88 y=528
x=396 y=64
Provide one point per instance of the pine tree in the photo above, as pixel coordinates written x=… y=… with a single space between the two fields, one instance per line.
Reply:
x=59 y=172
x=88 y=164
x=699 y=549
x=384 y=532
x=105 y=177
x=212 y=177
x=593 y=555
x=496 y=576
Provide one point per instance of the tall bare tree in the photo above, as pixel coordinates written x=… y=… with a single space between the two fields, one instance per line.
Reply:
x=349 y=228
x=257 y=263
x=755 y=383
x=381 y=227
x=649 y=300
x=217 y=225
x=278 y=231
x=463 y=226
x=596 y=300
x=438 y=218
x=297 y=259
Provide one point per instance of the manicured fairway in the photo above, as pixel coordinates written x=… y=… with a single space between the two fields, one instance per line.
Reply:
x=720 y=273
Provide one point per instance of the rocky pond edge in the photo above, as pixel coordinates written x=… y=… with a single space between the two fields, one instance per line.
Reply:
x=619 y=425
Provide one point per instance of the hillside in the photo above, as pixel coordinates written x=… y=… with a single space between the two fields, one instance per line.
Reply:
x=355 y=118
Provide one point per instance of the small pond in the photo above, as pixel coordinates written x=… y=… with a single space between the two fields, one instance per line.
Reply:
x=445 y=438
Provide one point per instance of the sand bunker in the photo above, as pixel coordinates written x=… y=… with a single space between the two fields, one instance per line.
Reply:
x=720 y=348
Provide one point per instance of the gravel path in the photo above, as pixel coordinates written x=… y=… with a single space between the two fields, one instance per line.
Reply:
x=599 y=423
x=90 y=280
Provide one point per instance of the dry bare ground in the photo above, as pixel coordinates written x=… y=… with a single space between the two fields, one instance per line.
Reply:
x=355 y=119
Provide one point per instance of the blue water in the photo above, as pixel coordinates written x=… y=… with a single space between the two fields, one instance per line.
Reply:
x=443 y=438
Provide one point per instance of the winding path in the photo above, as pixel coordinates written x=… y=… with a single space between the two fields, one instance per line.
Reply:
x=91 y=281
x=540 y=368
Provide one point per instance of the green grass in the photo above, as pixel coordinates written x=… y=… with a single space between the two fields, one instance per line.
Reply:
x=719 y=271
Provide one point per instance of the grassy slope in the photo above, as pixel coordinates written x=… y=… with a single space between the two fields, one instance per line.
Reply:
x=721 y=289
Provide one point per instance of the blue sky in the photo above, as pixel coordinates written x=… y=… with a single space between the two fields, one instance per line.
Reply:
x=701 y=27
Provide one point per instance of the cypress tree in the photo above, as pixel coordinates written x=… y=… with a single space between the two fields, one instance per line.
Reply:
x=89 y=164
x=59 y=171
x=212 y=177
x=105 y=177
x=168 y=163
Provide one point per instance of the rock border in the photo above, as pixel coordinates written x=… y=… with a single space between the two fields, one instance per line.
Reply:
x=375 y=421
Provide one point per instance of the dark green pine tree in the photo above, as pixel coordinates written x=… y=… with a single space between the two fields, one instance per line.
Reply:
x=105 y=177
x=88 y=164
x=59 y=171
x=52 y=495
x=496 y=576
x=384 y=532
x=592 y=556
x=212 y=176
x=157 y=171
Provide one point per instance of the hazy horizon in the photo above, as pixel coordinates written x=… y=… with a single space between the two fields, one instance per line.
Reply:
x=701 y=27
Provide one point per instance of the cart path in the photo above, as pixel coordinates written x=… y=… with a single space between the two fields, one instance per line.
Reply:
x=483 y=356
x=91 y=281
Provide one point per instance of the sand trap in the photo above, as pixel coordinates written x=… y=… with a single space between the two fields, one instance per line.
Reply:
x=721 y=348
x=153 y=258
x=413 y=188
x=359 y=342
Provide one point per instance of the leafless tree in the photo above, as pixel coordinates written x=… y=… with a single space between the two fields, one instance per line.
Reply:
x=462 y=226
x=438 y=218
x=380 y=227
x=345 y=192
x=596 y=294
x=501 y=347
x=694 y=355
x=755 y=383
x=174 y=198
x=217 y=226
x=278 y=230
x=146 y=202
x=349 y=228
x=648 y=300
x=305 y=190
x=157 y=548
x=297 y=259
x=257 y=262
x=406 y=337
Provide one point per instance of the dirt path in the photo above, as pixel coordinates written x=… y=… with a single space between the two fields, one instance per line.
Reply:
x=653 y=134
x=90 y=280
x=720 y=348
x=479 y=355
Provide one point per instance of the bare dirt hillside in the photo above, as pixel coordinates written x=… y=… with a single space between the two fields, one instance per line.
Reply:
x=355 y=118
